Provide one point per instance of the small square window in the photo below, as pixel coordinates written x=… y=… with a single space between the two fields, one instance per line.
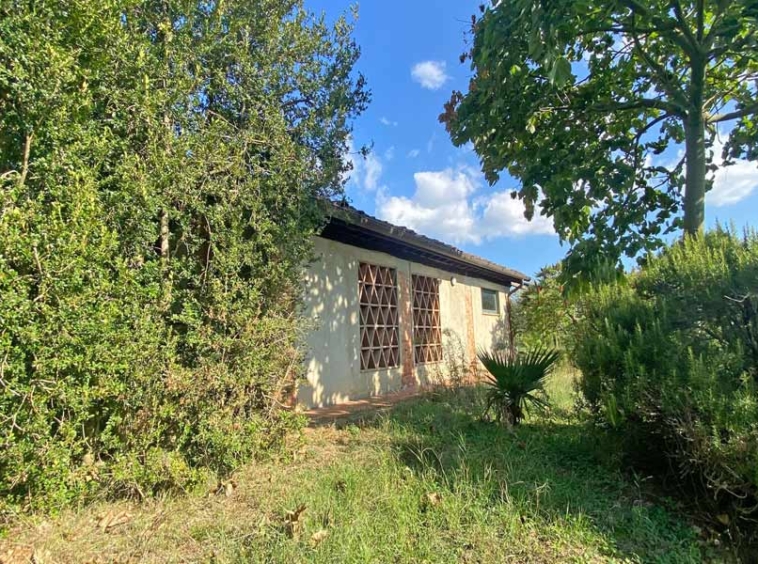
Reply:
x=490 y=301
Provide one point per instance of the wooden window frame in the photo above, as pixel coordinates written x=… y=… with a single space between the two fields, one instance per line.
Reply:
x=495 y=311
x=379 y=317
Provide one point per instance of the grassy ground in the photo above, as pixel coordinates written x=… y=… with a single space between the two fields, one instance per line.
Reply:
x=426 y=482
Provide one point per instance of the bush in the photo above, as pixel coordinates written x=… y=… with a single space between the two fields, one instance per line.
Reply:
x=544 y=312
x=669 y=357
x=516 y=382
x=160 y=168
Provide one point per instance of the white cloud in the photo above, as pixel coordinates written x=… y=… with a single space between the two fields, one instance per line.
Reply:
x=389 y=154
x=451 y=222
x=430 y=74
x=373 y=172
x=731 y=184
x=430 y=143
x=443 y=206
x=366 y=171
x=734 y=183
x=356 y=160
x=503 y=216
x=435 y=189
x=413 y=153
x=384 y=121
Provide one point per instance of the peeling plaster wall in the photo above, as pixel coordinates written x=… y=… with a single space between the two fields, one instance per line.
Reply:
x=333 y=370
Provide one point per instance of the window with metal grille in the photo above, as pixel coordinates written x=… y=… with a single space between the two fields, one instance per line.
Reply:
x=490 y=301
x=427 y=335
x=377 y=289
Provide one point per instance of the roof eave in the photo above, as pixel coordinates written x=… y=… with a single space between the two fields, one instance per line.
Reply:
x=408 y=237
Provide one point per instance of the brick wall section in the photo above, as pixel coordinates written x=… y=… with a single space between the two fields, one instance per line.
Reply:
x=470 y=336
x=405 y=305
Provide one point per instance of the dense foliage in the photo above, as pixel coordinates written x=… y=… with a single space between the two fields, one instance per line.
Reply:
x=670 y=358
x=544 y=312
x=160 y=166
x=578 y=99
x=515 y=382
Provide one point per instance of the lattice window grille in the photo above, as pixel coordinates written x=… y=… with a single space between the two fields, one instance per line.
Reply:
x=427 y=333
x=380 y=343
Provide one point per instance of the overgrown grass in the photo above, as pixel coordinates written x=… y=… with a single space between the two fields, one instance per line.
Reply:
x=425 y=482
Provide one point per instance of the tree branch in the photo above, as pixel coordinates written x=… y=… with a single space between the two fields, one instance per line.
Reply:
x=734 y=47
x=700 y=20
x=639 y=104
x=649 y=126
x=25 y=164
x=685 y=29
x=664 y=28
x=717 y=19
x=746 y=111
x=620 y=28
x=296 y=101
x=739 y=80
x=680 y=103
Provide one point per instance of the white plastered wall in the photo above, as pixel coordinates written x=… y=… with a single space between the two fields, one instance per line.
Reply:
x=333 y=371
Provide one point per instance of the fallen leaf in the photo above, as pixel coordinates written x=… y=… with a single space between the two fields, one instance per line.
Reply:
x=319 y=536
x=26 y=555
x=229 y=488
x=294 y=516
x=18 y=555
x=41 y=557
x=223 y=488
x=723 y=519
x=292 y=523
x=432 y=499
x=113 y=519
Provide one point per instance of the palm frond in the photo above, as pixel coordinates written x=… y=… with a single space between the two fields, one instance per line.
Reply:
x=514 y=381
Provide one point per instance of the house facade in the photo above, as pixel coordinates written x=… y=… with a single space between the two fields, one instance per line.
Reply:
x=391 y=309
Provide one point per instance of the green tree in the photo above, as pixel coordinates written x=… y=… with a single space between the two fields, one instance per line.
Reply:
x=161 y=164
x=544 y=312
x=575 y=98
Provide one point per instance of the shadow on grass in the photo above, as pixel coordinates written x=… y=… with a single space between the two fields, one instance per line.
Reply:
x=555 y=471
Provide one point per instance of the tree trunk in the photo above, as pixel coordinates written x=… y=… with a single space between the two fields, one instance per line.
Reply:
x=694 y=130
x=694 y=191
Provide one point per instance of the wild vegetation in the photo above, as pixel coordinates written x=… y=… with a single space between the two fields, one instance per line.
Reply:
x=516 y=383
x=161 y=168
x=544 y=312
x=161 y=164
x=581 y=101
x=428 y=481
x=669 y=362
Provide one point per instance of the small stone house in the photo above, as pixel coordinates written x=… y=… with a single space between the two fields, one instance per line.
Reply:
x=389 y=305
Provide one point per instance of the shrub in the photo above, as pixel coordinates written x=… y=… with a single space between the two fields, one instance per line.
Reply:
x=669 y=357
x=544 y=312
x=160 y=168
x=455 y=367
x=516 y=382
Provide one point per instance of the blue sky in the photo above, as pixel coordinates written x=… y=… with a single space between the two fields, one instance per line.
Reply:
x=417 y=178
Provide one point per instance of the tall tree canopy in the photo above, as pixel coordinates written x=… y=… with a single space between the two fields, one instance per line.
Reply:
x=161 y=163
x=578 y=98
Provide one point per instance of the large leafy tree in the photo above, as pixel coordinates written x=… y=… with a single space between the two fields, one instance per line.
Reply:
x=578 y=98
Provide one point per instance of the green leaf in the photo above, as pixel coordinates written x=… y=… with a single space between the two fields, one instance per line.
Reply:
x=560 y=74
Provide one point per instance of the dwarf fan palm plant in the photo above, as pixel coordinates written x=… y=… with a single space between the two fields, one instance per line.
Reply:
x=516 y=381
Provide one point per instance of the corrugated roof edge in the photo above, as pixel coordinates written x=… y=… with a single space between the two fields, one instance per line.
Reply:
x=348 y=213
